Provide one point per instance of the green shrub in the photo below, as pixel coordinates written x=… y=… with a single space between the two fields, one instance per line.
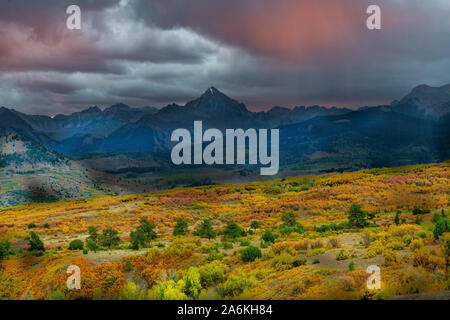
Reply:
x=198 y=206
x=315 y=252
x=212 y=273
x=284 y=260
x=351 y=266
x=233 y=231
x=299 y=228
x=417 y=211
x=250 y=254
x=215 y=255
x=268 y=236
x=300 y=188
x=91 y=245
x=441 y=226
x=76 y=245
x=129 y=292
x=31 y=225
x=286 y=230
x=227 y=245
x=255 y=225
x=299 y=262
x=5 y=250
x=273 y=190
x=56 y=295
x=192 y=285
x=416 y=244
x=244 y=243
x=289 y=218
x=436 y=218
x=264 y=244
x=315 y=260
x=344 y=255
x=236 y=284
x=333 y=227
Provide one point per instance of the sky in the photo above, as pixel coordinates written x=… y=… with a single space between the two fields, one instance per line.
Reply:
x=263 y=53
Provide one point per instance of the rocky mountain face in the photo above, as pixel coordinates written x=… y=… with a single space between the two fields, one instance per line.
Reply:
x=425 y=102
x=22 y=153
x=416 y=122
x=121 y=128
x=92 y=121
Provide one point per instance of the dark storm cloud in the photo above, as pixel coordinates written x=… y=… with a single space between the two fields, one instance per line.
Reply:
x=261 y=52
x=35 y=38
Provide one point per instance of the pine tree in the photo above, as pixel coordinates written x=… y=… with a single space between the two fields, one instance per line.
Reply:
x=110 y=238
x=205 y=230
x=397 y=218
x=181 y=227
x=35 y=242
x=357 y=217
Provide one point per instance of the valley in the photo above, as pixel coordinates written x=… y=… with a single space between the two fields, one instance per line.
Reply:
x=356 y=188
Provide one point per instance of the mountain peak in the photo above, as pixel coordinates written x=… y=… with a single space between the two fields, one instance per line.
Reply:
x=93 y=109
x=119 y=105
x=215 y=104
x=212 y=91
x=425 y=101
x=426 y=90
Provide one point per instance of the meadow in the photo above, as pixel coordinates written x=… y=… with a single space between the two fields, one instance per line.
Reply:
x=304 y=237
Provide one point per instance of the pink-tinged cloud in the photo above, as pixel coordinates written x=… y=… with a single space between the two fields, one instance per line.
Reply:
x=262 y=52
x=292 y=30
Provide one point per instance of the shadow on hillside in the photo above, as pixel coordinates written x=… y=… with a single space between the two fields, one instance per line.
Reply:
x=37 y=191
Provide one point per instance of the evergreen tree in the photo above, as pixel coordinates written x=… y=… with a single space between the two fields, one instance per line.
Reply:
x=357 y=217
x=92 y=241
x=255 y=225
x=93 y=234
x=143 y=235
x=205 y=230
x=268 y=236
x=181 y=227
x=148 y=230
x=289 y=218
x=110 y=238
x=441 y=226
x=35 y=242
x=233 y=231
x=397 y=218
x=5 y=250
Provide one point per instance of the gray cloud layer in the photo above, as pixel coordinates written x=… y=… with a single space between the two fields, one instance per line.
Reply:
x=262 y=52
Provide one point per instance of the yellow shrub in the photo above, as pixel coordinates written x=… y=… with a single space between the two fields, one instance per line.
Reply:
x=416 y=244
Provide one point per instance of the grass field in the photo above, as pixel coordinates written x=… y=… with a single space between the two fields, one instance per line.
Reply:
x=293 y=238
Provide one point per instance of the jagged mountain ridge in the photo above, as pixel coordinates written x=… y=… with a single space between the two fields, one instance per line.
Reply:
x=122 y=129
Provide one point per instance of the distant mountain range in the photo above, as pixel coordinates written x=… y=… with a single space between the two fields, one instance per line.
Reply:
x=413 y=129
